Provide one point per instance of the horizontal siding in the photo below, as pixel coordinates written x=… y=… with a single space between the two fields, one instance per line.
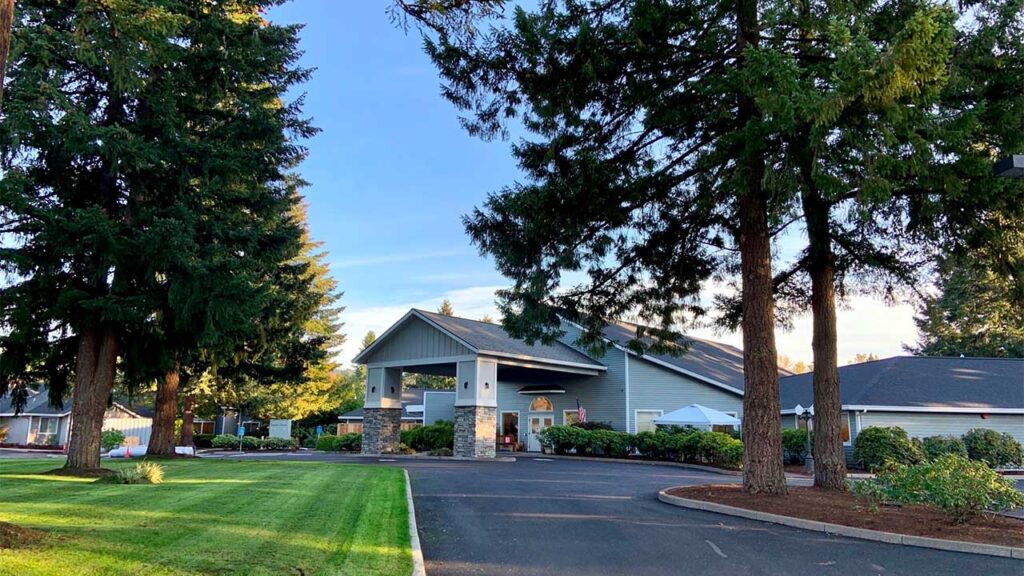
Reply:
x=604 y=395
x=416 y=340
x=920 y=425
x=652 y=387
x=17 y=429
x=131 y=427
x=590 y=391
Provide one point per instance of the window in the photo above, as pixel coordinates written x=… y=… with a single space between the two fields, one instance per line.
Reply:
x=645 y=420
x=510 y=424
x=44 y=431
x=844 y=422
x=570 y=417
x=541 y=404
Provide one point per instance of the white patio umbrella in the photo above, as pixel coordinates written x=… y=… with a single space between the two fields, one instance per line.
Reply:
x=697 y=416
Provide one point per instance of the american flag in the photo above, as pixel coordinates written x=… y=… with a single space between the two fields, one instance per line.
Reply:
x=581 y=412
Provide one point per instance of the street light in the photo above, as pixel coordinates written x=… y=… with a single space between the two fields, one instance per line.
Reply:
x=1010 y=167
x=806 y=415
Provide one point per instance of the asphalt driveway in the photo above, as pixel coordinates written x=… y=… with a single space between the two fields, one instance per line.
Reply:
x=537 y=517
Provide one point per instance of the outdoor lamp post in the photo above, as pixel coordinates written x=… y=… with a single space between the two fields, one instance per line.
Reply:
x=806 y=416
x=1010 y=167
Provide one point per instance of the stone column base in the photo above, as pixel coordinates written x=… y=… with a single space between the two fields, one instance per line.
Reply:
x=381 y=430
x=475 y=429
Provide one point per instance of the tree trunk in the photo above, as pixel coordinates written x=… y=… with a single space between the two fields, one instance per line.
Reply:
x=829 y=459
x=95 y=367
x=188 y=418
x=762 y=421
x=6 y=22
x=161 y=438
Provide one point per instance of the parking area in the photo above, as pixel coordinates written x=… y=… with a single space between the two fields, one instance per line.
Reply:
x=540 y=516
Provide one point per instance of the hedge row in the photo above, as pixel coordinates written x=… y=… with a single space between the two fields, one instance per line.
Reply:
x=875 y=447
x=230 y=441
x=688 y=445
x=437 y=436
x=351 y=442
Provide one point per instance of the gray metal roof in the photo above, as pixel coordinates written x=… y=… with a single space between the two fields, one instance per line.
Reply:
x=492 y=338
x=410 y=397
x=920 y=382
x=704 y=358
x=38 y=403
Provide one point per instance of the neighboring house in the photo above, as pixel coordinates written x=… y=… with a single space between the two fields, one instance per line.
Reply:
x=40 y=424
x=926 y=396
x=419 y=407
x=528 y=387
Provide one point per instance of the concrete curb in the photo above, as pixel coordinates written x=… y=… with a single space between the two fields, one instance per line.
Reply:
x=710 y=469
x=848 y=531
x=419 y=568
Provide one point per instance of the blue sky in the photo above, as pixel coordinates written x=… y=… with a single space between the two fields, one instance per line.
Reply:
x=393 y=172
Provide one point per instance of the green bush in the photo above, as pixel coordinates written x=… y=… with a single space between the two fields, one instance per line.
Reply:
x=251 y=443
x=794 y=445
x=719 y=449
x=610 y=443
x=111 y=439
x=875 y=446
x=225 y=441
x=595 y=425
x=351 y=442
x=935 y=446
x=652 y=445
x=203 y=440
x=327 y=443
x=440 y=434
x=994 y=448
x=279 y=444
x=558 y=439
x=961 y=488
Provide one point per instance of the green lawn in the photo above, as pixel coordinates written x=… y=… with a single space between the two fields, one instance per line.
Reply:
x=210 y=517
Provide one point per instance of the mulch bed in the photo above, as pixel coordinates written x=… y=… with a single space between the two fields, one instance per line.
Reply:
x=851 y=510
x=12 y=536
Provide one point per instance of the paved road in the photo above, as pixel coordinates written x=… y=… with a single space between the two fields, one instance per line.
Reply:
x=571 y=518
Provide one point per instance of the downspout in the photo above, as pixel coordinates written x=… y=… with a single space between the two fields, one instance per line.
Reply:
x=625 y=353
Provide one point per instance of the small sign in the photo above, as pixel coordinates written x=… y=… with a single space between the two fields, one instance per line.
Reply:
x=241 y=430
x=319 y=429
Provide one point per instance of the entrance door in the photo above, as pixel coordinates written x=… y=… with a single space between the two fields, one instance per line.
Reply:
x=538 y=423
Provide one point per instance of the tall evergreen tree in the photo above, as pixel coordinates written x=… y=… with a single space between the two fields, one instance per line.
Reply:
x=446 y=308
x=651 y=156
x=142 y=152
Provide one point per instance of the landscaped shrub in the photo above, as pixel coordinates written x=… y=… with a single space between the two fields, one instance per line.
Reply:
x=141 y=473
x=595 y=425
x=225 y=441
x=203 y=440
x=935 y=446
x=875 y=446
x=351 y=442
x=441 y=452
x=440 y=434
x=400 y=449
x=794 y=445
x=994 y=448
x=720 y=449
x=279 y=444
x=652 y=445
x=327 y=443
x=609 y=443
x=558 y=439
x=251 y=443
x=110 y=439
x=959 y=487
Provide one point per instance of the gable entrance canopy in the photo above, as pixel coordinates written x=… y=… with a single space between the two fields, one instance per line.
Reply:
x=476 y=354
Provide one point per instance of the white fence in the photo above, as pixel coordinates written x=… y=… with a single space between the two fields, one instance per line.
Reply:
x=131 y=427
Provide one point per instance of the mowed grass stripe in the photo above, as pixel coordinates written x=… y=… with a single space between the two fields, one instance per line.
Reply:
x=212 y=517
